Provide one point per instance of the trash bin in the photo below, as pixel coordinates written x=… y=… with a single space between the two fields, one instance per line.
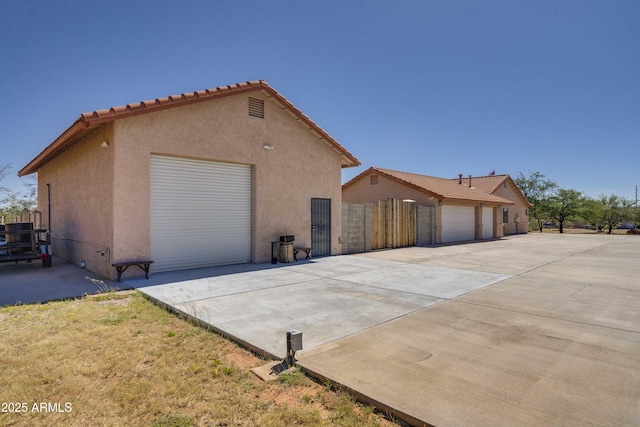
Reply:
x=286 y=249
x=286 y=252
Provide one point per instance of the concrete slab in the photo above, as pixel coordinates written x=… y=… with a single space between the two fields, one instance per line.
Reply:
x=26 y=283
x=324 y=310
x=557 y=344
x=190 y=291
x=426 y=280
x=326 y=298
x=526 y=330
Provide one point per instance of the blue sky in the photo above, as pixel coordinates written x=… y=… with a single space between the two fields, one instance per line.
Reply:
x=431 y=87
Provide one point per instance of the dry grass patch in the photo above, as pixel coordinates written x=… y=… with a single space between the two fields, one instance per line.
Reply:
x=120 y=360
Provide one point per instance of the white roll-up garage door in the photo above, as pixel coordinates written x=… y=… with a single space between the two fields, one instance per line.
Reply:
x=458 y=223
x=200 y=213
x=487 y=223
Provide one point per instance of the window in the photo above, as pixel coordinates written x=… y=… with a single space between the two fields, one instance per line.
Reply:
x=374 y=179
x=505 y=215
x=256 y=107
x=526 y=212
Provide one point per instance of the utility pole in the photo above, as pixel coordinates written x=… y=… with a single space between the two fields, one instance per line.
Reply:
x=635 y=211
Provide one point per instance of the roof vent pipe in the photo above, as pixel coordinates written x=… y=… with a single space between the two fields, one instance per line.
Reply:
x=469 y=181
x=460 y=179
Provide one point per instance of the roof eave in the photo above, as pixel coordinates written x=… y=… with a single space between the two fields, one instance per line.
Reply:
x=348 y=159
x=493 y=202
x=98 y=117
x=55 y=147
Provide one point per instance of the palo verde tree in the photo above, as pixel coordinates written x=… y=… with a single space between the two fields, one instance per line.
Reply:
x=536 y=189
x=564 y=205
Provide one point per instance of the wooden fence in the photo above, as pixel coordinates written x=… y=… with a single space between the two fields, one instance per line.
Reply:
x=393 y=224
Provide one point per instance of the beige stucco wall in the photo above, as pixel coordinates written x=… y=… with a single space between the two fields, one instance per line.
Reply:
x=519 y=210
x=81 y=183
x=285 y=179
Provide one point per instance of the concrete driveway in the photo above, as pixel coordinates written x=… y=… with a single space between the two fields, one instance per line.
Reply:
x=526 y=330
x=558 y=343
x=326 y=298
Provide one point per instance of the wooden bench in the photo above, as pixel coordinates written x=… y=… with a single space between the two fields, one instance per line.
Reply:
x=121 y=267
x=307 y=251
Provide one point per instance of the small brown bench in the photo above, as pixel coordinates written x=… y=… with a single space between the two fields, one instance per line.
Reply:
x=121 y=267
x=307 y=251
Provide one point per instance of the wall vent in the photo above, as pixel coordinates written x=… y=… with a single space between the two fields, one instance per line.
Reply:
x=256 y=107
x=374 y=179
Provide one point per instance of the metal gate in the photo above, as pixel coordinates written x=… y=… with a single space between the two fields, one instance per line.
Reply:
x=320 y=227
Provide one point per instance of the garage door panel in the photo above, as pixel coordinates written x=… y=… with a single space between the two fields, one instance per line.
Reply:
x=487 y=223
x=200 y=213
x=458 y=223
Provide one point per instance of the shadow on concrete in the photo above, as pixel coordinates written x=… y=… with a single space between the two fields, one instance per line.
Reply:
x=28 y=283
x=167 y=277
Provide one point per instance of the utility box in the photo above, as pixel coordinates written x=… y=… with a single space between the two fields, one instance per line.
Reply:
x=294 y=340
x=294 y=343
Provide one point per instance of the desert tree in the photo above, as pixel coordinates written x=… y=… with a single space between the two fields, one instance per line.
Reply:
x=564 y=205
x=616 y=210
x=592 y=213
x=5 y=194
x=12 y=203
x=537 y=189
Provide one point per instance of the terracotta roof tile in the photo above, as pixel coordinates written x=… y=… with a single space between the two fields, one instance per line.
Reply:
x=486 y=183
x=442 y=188
x=491 y=183
x=75 y=132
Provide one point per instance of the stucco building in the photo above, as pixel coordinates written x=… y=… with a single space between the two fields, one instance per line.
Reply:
x=486 y=209
x=515 y=218
x=198 y=179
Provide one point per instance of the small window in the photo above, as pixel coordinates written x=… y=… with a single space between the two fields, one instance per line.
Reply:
x=526 y=212
x=256 y=107
x=374 y=179
x=505 y=215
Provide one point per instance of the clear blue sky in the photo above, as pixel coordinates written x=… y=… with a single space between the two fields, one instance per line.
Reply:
x=431 y=87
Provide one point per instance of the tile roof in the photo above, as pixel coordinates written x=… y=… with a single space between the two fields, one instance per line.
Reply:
x=444 y=189
x=84 y=124
x=485 y=183
x=491 y=183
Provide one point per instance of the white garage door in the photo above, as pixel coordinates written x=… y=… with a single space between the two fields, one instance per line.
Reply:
x=200 y=213
x=487 y=223
x=458 y=223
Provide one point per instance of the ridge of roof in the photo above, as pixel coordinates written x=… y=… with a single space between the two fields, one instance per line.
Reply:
x=496 y=181
x=87 y=120
x=409 y=173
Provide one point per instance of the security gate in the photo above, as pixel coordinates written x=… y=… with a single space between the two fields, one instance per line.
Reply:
x=320 y=227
